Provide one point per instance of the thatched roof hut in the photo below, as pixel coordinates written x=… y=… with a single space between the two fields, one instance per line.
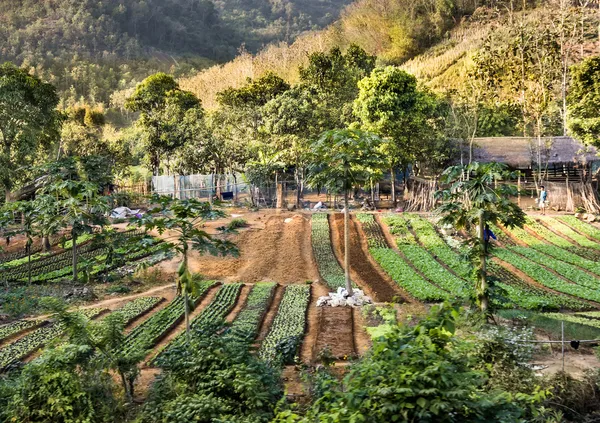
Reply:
x=522 y=153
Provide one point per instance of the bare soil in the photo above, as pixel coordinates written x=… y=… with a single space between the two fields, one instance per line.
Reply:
x=336 y=329
x=362 y=340
x=576 y=362
x=280 y=252
x=363 y=271
x=312 y=327
x=240 y=304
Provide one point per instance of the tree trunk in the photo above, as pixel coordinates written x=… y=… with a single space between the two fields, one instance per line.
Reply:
x=74 y=238
x=298 y=189
x=483 y=288
x=393 y=182
x=28 y=262
x=187 y=314
x=126 y=387
x=46 y=243
x=347 y=243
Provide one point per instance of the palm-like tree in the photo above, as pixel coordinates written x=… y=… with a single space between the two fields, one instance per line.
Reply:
x=476 y=196
x=179 y=223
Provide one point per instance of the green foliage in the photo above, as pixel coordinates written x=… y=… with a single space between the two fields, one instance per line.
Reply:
x=329 y=268
x=213 y=380
x=584 y=101
x=247 y=323
x=424 y=373
x=282 y=343
x=29 y=122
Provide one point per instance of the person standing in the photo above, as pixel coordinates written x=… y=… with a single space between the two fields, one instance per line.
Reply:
x=543 y=199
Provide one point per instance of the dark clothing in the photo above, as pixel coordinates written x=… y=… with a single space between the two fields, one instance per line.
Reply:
x=487 y=234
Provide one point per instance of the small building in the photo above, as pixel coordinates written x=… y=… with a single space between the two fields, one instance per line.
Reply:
x=562 y=156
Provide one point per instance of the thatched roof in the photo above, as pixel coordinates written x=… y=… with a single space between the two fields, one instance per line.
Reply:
x=520 y=153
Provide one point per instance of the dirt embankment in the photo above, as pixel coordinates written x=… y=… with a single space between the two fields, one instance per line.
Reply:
x=280 y=252
x=363 y=271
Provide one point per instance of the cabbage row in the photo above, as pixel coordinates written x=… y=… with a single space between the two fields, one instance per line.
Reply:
x=216 y=311
x=531 y=297
x=545 y=277
x=14 y=328
x=329 y=268
x=146 y=335
x=137 y=307
x=424 y=261
x=570 y=233
x=246 y=324
x=568 y=271
x=375 y=236
x=286 y=334
x=394 y=265
x=548 y=236
x=581 y=226
x=21 y=348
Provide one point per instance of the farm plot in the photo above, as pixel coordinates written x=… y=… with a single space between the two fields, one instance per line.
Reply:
x=329 y=268
x=246 y=325
x=581 y=226
x=565 y=230
x=545 y=277
x=423 y=260
x=21 y=348
x=145 y=336
x=286 y=334
x=9 y=329
x=530 y=297
x=395 y=266
x=216 y=311
x=137 y=307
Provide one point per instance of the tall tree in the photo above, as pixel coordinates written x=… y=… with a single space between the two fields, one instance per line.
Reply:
x=29 y=123
x=584 y=101
x=163 y=108
x=476 y=202
x=340 y=160
x=391 y=105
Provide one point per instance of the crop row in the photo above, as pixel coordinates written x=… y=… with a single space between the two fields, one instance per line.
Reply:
x=375 y=236
x=562 y=252
x=529 y=296
x=145 y=336
x=549 y=236
x=329 y=268
x=21 y=348
x=406 y=277
x=10 y=329
x=581 y=226
x=137 y=307
x=545 y=277
x=432 y=241
x=570 y=233
x=426 y=263
x=574 y=319
x=216 y=311
x=246 y=324
x=286 y=334
x=566 y=270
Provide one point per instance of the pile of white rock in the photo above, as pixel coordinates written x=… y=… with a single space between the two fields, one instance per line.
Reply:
x=342 y=299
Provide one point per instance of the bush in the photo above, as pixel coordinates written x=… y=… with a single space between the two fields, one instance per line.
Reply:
x=213 y=379
x=423 y=374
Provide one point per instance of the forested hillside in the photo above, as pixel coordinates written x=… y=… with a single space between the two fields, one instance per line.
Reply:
x=89 y=49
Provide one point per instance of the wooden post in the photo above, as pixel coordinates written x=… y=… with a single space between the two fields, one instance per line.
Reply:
x=519 y=190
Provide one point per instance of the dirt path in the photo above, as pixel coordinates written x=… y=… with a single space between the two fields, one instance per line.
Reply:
x=312 y=328
x=166 y=291
x=362 y=340
x=363 y=270
x=280 y=252
x=265 y=326
x=335 y=332
x=240 y=304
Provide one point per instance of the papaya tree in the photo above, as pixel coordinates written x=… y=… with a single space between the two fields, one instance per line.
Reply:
x=474 y=203
x=179 y=224
x=339 y=160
